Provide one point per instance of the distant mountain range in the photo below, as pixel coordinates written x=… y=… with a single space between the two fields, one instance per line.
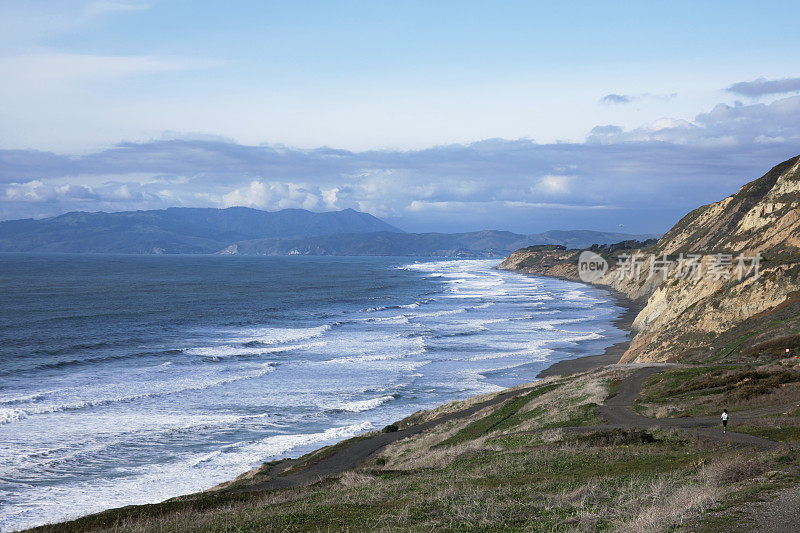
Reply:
x=241 y=230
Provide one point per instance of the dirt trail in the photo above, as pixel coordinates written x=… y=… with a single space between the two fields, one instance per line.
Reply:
x=781 y=514
x=618 y=411
x=356 y=453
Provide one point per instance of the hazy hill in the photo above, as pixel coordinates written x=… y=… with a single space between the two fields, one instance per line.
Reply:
x=712 y=316
x=488 y=243
x=240 y=230
x=176 y=230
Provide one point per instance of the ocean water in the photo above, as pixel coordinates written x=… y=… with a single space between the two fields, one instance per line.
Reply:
x=132 y=379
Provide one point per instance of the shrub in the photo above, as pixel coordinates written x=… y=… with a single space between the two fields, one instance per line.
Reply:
x=751 y=391
x=617 y=437
x=732 y=470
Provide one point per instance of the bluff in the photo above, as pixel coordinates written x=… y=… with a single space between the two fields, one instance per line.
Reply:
x=723 y=283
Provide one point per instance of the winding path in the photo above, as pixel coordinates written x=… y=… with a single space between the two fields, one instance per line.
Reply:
x=353 y=455
x=617 y=411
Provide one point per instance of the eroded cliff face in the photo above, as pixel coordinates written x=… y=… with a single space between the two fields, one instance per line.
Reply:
x=763 y=216
x=686 y=316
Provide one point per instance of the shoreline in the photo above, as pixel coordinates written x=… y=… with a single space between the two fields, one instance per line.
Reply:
x=611 y=354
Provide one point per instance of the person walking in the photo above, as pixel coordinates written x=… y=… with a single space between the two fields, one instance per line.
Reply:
x=724 y=420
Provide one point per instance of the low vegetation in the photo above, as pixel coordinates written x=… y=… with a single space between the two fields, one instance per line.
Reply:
x=533 y=462
x=707 y=390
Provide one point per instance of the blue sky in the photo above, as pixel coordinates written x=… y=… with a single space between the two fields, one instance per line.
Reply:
x=439 y=115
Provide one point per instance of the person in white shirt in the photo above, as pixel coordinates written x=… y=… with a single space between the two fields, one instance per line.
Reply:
x=724 y=420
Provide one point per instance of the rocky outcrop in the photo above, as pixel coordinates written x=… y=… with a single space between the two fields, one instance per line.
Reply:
x=685 y=316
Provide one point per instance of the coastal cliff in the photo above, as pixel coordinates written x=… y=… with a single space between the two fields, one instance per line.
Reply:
x=741 y=297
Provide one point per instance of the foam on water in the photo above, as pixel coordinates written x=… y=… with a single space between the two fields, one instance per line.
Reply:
x=357 y=406
x=155 y=483
x=286 y=363
x=271 y=335
x=11 y=415
x=217 y=352
x=163 y=389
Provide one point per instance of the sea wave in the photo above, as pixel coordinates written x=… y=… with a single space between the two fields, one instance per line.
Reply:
x=356 y=406
x=39 y=409
x=219 y=352
x=11 y=415
x=192 y=473
x=271 y=335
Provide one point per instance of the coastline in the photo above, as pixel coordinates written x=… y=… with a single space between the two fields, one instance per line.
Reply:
x=611 y=354
x=356 y=482
x=359 y=451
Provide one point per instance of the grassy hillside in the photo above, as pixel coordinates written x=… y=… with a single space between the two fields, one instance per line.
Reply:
x=540 y=457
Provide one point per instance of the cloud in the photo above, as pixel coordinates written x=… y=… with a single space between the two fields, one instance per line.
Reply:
x=724 y=125
x=274 y=196
x=103 y=7
x=26 y=23
x=553 y=185
x=644 y=178
x=617 y=99
x=37 y=75
x=763 y=86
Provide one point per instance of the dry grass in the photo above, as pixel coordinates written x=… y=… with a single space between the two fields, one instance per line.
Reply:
x=542 y=481
x=411 y=452
x=740 y=389
x=353 y=478
x=419 y=452
x=732 y=469
x=452 y=407
x=668 y=503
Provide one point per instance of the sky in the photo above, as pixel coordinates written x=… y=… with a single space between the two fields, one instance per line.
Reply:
x=436 y=116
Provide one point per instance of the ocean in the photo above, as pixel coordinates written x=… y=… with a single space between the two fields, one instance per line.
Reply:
x=132 y=379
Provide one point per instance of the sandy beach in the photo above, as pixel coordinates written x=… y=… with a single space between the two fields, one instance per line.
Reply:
x=611 y=354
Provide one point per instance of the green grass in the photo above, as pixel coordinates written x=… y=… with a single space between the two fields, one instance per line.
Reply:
x=505 y=417
x=704 y=390
x=594 y=480
x=667 y=387
x=726 y=517
x=779 y=434
x=732 y=347
x=494 y=491
x=582 y=415
x=613 y=387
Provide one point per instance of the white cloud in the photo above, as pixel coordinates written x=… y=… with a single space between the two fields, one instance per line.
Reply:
x=724 y=125
x=273 y=195
x=36 y=191
x=329 y=197
x=645 y=178
x=763 y=86
x=25 y=23
x=552 y=184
